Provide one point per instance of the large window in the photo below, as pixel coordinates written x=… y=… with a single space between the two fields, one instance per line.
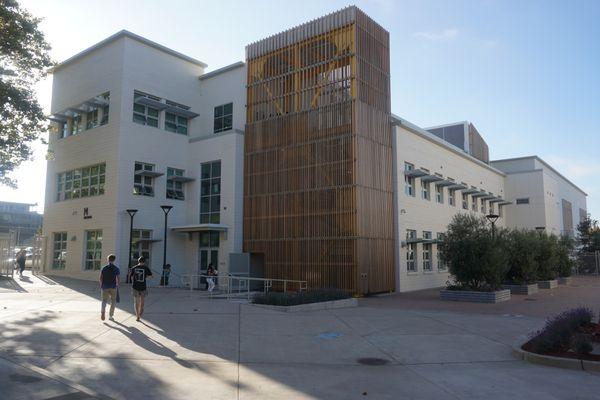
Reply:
x=409 y=182
x=442 y=266
x=143 y=180
x=439 y=194
x=465 y=201
x=143 y=114
x=91 y=119
x=451 y=197
x=93 y=250
x=141 y=241
x=483 y=206
x=473 y=201
x=59 y=250
x=411 y=251
x=524 y=200
x=210 y=193
x=174 y=187
x=83 y=182
x=425 y=190
x=77 y=124
x=223 y=117
x=427 y=252
x=176 y=123
x=105 y=108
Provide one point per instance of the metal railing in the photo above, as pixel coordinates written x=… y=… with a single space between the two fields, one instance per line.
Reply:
x=7 y=254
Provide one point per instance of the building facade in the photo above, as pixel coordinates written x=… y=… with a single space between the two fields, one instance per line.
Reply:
x=18 y=219
x=292 y=156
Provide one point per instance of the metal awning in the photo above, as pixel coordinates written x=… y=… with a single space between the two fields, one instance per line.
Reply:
x=480 y=193
x=421 y=240
x=431 y=178
x=457 y=186
x=416 y=173
x=200 y=228
x=504 y=203
x=146 y=101
x=152 y=174
x=470 y=191
x=183 y=179
x=497 y=200
x=444 y=183
x=81 y=108
x=181 y=112
x=58 y=117
x=146 y=241
x=488 y=197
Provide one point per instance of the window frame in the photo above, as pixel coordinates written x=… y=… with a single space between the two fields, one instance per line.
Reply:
x=175 y=190
x=144 y=189
x=409 y=182
x=411 y=253
x=210 y=192
x=176 y=125
x=59 y=255
x=426 y=252
x=96 y=260
x=81 y=182
x=219 y=114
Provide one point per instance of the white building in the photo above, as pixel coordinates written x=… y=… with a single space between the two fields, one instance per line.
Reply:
x=139 y=126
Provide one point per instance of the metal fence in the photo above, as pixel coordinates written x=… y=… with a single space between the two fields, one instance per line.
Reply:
x=38 y=256
x=588 y=263
x=7 y=254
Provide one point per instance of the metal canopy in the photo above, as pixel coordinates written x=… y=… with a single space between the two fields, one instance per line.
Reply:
x=488 y=197
x=416 y=173
x=481 y=193
x=457 y=186
x=504 y=203
x=497 y=200
x=181 y=112
x=470 y=191
x=146 y=241
x=145 y=101
x=183 y=179
x=153 y=174
x=431 y=178
x=58 y=118
x=200 y=228
x=444 y=183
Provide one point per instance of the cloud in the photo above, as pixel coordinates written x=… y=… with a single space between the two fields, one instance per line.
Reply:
x=446 y=34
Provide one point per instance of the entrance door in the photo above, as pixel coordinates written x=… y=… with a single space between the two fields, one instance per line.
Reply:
x=208 y=252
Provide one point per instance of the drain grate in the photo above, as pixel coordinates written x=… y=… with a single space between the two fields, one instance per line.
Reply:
x=372 y=361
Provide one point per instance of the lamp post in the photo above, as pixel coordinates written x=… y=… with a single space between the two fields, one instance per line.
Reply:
x=166 y=210
x=131 y=213
x=493 y=218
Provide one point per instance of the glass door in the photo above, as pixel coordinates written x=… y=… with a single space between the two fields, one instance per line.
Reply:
x=208 y=252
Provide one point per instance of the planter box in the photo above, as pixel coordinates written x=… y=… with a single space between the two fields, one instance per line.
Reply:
x=565 y=280
x=552 y=284
x=522 y=289
x=323 y=305
x=475 y=297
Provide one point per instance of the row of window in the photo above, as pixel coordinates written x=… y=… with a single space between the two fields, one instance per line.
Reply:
x=412 y=263
x=95 y=114
x=482 y=205
x=148 y=112
x=81 y=182
x=92 y=256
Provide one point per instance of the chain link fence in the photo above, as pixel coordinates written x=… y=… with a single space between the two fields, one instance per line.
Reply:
x=588 y=263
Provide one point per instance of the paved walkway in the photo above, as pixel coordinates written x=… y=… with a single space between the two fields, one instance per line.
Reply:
x=54 y=346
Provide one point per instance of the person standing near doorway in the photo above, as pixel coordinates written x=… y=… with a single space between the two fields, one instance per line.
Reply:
x=21 y=258
x=139 y=274
x=212 y=274
x=109 y=284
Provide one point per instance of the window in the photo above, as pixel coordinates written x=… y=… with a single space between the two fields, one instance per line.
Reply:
x=141 y=240
x=442 y=266
x=465 y=201
x=523 y=201
x=492 y=208
x=93 y=250
x=451 y=197
x=411 y=250
x=223 y=117
x=105 y=108
x=427 y=252
x=143 y=114
x=500 y=210
x=175 y=123
x=83 y=182
x=59 y=251
x=91 y=119
x=64 y=129
x=474 y=201
x=425 y=193
x=483 y=206
x=143 y=183
x=174 y=188
x=439 y=194
x=76 y=126
x=210 y=193
x=409 y=182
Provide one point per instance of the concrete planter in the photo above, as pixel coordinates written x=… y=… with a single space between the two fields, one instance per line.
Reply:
x=475 y=297
x=323 y=305
x=558 y=362
x=551 y=284
x=522 y=289
x=566 y=280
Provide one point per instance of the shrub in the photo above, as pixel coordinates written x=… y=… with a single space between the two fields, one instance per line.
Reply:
x=521 y=256
x=546 y=256
x=558 y=331
x=581 y=344
x=293 y=299
x=564 y=249
x=476 y=260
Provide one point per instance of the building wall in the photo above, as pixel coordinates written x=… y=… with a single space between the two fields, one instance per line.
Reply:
x=427 y=151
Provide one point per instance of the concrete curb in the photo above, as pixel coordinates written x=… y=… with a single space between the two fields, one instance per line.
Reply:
x=522 y=289
x=324 y=305
x=475 y=297
x=551 y=284
x=54 y=377
x=558 y=362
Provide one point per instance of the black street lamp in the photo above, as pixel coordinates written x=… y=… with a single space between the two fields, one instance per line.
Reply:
x=166 y=210
x=493 y=218
x=131 y=213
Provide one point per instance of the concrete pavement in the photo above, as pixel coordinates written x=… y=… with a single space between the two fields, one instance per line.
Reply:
x=190 y=347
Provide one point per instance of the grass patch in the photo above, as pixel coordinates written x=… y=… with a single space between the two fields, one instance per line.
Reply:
x=297 y=298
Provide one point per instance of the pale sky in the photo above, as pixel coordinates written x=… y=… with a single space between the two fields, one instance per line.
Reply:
x=525 y=73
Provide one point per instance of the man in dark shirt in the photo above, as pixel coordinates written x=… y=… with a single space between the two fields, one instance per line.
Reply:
x=139 y=274
x=109 y=282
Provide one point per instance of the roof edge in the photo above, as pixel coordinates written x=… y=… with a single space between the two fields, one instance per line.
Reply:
x=222 y=70
x=121 y=34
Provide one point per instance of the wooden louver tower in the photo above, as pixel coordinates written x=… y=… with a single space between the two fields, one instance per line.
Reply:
x=318 y=197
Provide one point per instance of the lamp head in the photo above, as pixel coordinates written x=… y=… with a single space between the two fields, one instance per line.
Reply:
x=166 y=209
x=492 y=217
x=131 y=212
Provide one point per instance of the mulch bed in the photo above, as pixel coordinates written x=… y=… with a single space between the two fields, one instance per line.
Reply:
x=592 y=329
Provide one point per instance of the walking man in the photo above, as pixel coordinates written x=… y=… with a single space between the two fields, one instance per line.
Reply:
x=21 y=258
x=109 y=283
x=139 y=274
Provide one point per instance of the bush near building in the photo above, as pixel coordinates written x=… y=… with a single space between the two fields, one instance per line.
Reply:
x=522 y=261
x=563 y=333
x=547 y=257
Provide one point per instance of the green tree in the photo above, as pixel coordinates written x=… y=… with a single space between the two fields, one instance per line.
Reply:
x=23 y=61
x=588 y=234
x=521 y=257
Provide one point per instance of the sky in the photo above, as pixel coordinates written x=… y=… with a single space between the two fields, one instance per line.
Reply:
x=525 y=73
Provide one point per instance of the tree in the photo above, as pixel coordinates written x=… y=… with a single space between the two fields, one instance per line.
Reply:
x=23 y=61
x=588 y=234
